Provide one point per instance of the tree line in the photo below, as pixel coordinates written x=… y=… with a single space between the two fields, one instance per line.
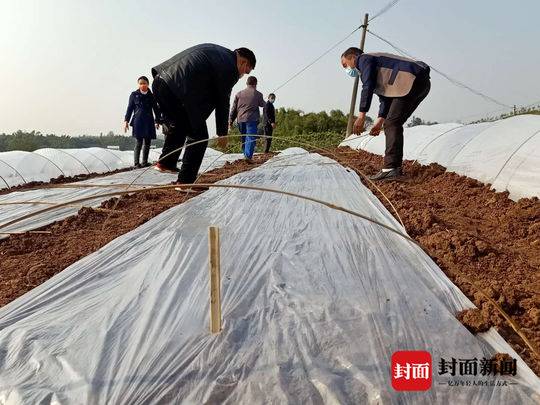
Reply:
x=297 y=128
x=323 y=128
x=30 y=141
x=519 y=111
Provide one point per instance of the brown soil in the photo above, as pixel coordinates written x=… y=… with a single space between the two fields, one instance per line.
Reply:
x=29 y=259
x=473 y=234
x=474 y=320
x=60 y=180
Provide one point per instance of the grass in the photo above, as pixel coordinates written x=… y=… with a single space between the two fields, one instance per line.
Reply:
x=321 y=140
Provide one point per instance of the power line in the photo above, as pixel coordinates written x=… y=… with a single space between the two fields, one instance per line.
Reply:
x=451 y=80
x=316 y=60
x=384 y=9
x=378 y=14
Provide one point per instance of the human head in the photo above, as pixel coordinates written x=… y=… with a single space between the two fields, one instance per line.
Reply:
x=252 y=81
x=143 y=83
x=245 y=61
x=349 y=57
x=271 y=97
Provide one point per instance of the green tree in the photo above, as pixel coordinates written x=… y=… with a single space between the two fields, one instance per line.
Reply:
x=30 y=141
x=418 y=121
x=297 y=128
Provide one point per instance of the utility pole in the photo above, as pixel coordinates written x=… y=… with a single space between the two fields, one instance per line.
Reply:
x=356 y=79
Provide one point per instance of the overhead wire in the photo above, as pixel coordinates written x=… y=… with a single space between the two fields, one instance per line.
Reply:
x=376 y=15
x=384 y=9
x=446 y=76
x=316 y=60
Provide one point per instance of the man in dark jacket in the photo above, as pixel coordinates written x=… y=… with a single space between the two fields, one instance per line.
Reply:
x=269 y=120
x=401 y=84
x=245 y=111
x=188 y=87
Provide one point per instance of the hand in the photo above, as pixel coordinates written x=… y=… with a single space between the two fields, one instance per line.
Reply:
x=126 y=126
x=273 y=124
x=358 y=126
x=222 y=141
x=377 y=127
x=230 y=125
x=157 y=126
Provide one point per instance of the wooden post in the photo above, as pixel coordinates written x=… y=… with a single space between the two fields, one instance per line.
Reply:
x=356 y=80
x=215 y=280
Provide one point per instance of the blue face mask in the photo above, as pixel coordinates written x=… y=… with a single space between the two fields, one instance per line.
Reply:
x=353 y=72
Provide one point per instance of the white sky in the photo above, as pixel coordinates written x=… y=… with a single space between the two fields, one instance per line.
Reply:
x=68 y=66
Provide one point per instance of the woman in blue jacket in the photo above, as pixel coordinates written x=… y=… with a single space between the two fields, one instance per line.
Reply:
x=141 y=104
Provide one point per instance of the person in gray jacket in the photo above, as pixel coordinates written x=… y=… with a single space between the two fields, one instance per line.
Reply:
x=245 y=110
x=401 y=84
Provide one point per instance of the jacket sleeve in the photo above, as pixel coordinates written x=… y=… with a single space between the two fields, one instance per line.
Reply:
x=271 y=114
x=131 y=107
x=368 y=68
x=262 y=103
x=234 y=109
x=384 y=106
x=157 y=110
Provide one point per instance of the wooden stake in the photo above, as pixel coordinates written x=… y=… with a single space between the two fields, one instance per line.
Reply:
x=215 y=280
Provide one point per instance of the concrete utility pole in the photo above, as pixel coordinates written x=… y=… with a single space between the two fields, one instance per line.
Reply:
x=356 y=79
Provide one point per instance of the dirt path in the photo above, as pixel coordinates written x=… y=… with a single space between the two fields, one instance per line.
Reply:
x=475 y=234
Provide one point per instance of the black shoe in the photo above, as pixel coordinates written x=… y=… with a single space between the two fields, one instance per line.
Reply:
x=146 y=164
x=137 y=166
x=389 y=175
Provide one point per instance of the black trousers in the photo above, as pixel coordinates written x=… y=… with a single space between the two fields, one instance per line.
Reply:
x=143 y=144
x=400 y=111
x=178 y=133
x=268 y=130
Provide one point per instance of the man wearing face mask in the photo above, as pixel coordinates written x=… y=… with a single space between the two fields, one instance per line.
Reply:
x=401 y=84
x=269 y=120
x=188 y=88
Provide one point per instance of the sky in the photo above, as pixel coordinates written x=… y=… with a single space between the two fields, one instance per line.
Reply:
x=68 y=66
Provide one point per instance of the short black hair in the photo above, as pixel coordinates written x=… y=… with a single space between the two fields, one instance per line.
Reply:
x=271 y=95
x=143 y=78
x=352 y=51
x=252 y=81
x=247 y=54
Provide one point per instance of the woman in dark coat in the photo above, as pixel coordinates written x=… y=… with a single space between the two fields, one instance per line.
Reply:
x=141 y=103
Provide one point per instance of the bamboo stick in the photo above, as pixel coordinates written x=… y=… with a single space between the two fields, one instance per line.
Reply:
x=215 y=280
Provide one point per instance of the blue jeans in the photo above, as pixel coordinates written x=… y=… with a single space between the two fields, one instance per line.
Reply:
x=250 y=140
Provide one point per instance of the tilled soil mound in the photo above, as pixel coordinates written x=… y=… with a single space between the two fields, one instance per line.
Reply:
x=475 y=235
x=29 y=259
x=61 y=180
